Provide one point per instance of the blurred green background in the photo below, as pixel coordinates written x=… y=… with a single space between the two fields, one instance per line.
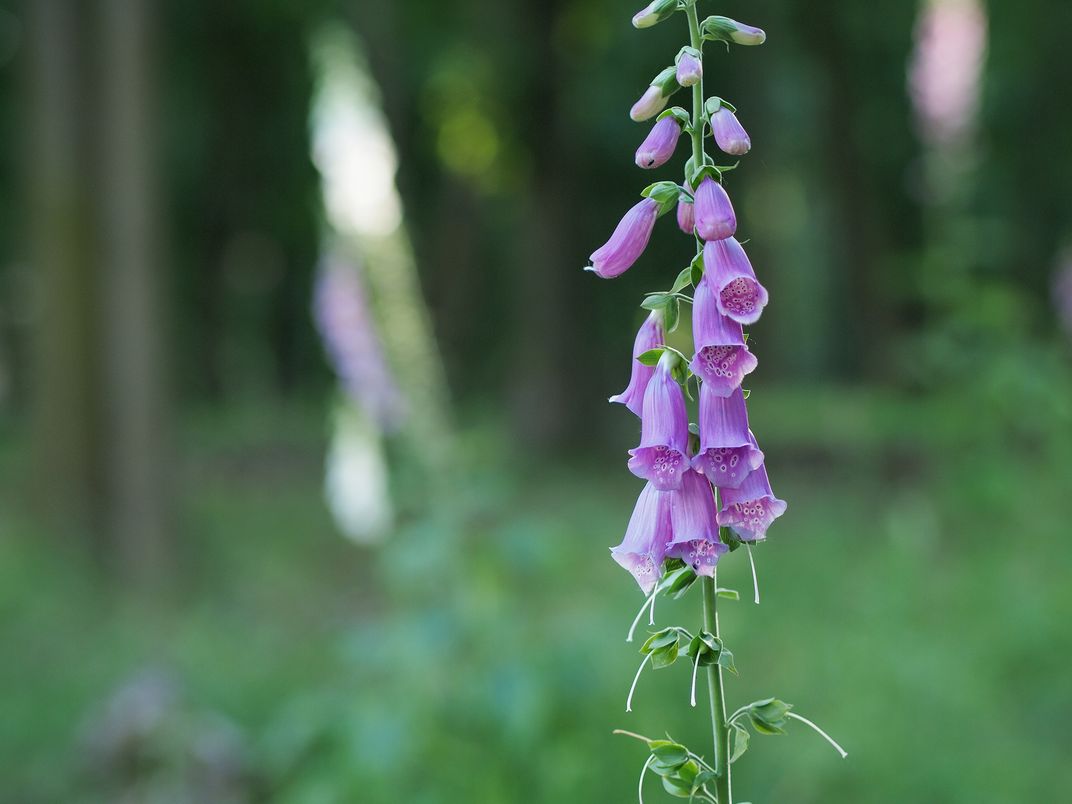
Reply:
x=228 y=576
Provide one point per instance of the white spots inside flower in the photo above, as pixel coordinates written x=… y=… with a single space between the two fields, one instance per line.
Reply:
x=644 y=571
x=739 y=296
x=668 y=463
x=701 y=554
x=726 y=465
x=719 y=361
x=753 y=515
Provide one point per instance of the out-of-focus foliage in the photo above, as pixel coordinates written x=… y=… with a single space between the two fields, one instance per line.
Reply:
x=915 y=401
x=481 y=655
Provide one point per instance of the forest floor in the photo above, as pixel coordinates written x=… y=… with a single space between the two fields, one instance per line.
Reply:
x=915 y=602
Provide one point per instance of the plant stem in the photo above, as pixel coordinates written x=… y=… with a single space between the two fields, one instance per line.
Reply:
x=697 y=90
x=710 y=586
x=718 y=700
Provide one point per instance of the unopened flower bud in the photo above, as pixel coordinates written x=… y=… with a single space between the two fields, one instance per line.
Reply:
x=689 y=67
x=660 y=143
x=655 y=96
x=729 y=133
x=654 y=13
x=723 y=29
x=715 y=218
x=628 y=241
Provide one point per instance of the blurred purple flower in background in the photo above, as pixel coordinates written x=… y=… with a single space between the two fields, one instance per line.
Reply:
x=945 y=73
x=1062 y=289
x=353 y=346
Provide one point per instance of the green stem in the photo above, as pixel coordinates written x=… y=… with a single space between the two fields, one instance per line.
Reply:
x=697 y=90
x=718 y=701
x=723 y=788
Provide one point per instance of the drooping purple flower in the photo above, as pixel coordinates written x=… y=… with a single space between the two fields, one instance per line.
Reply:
x=660 y=143
x=649 y=104
x=649 y=336
x=727 y=268
x=728 y=450
x=628 y=242
x=689 y=68
x=715 y=218
x=695 y=527
x=662 y=456
x=642 y=550
x=751 y=509
x=729 y=133
x=722 y=357
x=686 y=216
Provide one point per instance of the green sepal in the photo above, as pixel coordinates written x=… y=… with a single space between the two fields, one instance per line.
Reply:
x=676 y=583
x=668 y=753
x=768 y=715
x=679 y=114
x=666 y=81
x=682 y=783
x=714 y=103
x=691 y=169
x=664 y=646
x=664 y=193
x=706 y=647
x=727 y=535
x=711 y=171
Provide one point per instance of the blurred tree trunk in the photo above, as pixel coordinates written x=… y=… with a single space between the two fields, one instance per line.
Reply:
x=540 y=300
x=98 y=404
x=133 y=389
x=66 y=437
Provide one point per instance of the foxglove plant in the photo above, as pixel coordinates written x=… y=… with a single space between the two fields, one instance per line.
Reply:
x=707 y=491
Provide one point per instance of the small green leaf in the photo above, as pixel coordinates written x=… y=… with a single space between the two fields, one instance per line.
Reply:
x=729 y=594
x=671 y=314
x=650 y=357
x=747 y=392
x=684 y=279
x=654 y=301
x=696 y=269
x=725 y=659
x=738 y=741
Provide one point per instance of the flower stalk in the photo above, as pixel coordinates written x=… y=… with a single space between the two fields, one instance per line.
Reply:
x=707 y=491
x=719 y=729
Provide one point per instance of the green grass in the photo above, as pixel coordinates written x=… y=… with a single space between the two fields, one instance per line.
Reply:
x=915 y=604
